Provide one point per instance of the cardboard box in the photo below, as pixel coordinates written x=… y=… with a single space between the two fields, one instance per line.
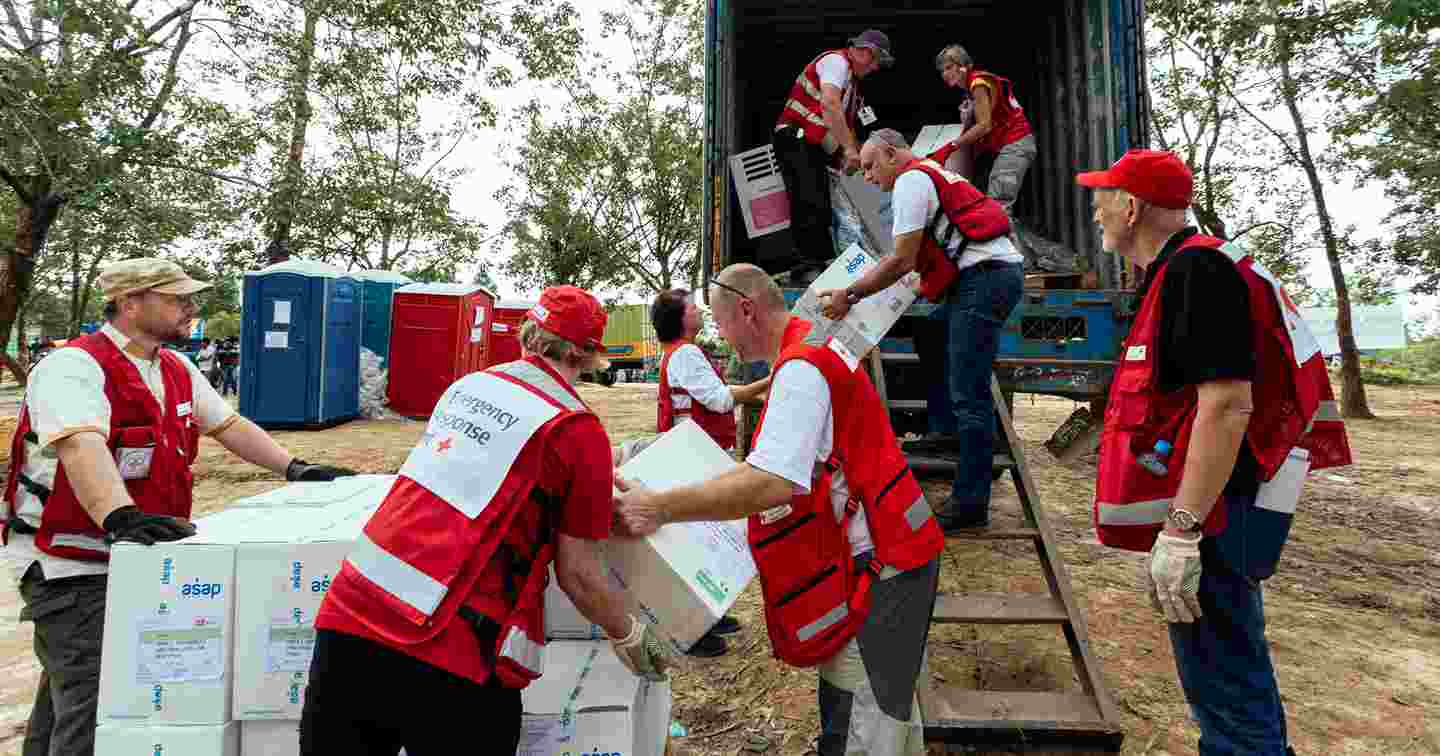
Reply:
x=587 y=702
x=168 y=740
x=869 y=320
x=565 y=622
x=318 y=494
x=270 y=737
x=687 y=575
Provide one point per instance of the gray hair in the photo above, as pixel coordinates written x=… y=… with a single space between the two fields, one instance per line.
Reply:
x=889 y=137
x=953 y=54
x=540 y=342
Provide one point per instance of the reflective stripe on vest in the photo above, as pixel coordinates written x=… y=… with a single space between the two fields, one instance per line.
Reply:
x=520 y=649
x=1138 y=513
x=413 y=587
x=76 y=541
x=919 y=513
x=824 y=622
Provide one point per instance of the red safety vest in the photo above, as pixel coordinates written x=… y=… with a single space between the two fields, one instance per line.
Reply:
x=142 y=435
x=1293 y=406
x=977 y=217
x=464 y=532
x=720 y=425
x=804 y=110
x=815 y=600
x=1008 y=123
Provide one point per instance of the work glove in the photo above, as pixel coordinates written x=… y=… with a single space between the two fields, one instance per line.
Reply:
x=643 y=652
x=1175 y=576
x=300 y=470
x=130 y=524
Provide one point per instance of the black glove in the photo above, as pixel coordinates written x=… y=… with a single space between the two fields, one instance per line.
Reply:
x=130 y=524
x=300 y=470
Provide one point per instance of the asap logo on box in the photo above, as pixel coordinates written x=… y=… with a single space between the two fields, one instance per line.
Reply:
x=197 y=588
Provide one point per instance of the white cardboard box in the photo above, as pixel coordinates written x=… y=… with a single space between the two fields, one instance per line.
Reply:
x=686 y=575
x=587 y=702
x=168 y=740
x=869 y=320
x=562 y=620
x=318 y=493
x=270 y=737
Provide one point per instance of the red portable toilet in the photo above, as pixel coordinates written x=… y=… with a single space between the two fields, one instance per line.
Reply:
x=438 y=333
x=505 y=330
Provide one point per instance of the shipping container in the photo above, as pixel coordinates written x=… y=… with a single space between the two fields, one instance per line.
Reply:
x=439 y=332
x=630 y=342
x=1078 y=70
x=300 y=345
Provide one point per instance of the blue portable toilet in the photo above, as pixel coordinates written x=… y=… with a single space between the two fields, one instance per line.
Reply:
x=377 y=289
x=300 y=345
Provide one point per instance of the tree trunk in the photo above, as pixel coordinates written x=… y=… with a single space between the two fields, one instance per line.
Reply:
x=33 y=219
x=282 y=204
x=1352 y=390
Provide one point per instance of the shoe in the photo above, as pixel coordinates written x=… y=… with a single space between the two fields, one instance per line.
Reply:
x=953 y=516
x=709 y=646
x=726 y=626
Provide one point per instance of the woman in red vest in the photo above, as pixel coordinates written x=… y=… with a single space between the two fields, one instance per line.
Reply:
x=691 y=388
x=1003 y=141
x=1219 y=406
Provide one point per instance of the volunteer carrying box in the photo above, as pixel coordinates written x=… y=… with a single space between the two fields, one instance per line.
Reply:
x=868 y=320
x=164 y=740
x=687 y=575
x=587 y=702
x=565 y=622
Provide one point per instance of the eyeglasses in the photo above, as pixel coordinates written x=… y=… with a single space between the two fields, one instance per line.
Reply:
x=184 y=302
x=731 y=289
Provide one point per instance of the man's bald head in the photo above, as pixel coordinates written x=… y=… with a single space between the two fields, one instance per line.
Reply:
x=755 y=283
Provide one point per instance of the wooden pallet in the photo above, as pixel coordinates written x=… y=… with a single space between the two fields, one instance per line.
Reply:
x=1026 y=721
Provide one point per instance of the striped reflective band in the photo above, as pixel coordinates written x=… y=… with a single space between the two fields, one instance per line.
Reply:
x=919 y=513
x=810 y=89
x=1135 y=513
x=73 y=541
x=798 y=107
x=411 y=586
x=520 y=649
x=540 y=379
x=830 y=619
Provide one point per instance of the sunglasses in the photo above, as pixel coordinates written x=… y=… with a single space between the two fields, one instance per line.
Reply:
x=731 y=289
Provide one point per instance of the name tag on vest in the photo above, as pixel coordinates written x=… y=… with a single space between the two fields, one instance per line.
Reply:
x=474 y=436
x=1135 y=353
x=182 y=409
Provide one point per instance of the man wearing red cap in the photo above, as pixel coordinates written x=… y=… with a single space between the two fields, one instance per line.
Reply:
x=818 y=125
x=440 y=602
x=1219 y=406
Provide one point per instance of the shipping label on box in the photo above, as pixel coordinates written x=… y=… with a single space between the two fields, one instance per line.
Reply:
x=587 y=702
x=280 y=590
x=168 y=634
x=686 y=575
x=164 y=740
x=869 y=320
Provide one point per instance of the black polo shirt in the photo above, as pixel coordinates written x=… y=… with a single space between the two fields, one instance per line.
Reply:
x=1205 y=331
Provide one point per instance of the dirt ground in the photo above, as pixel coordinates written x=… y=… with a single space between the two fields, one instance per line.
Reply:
x=1353 y=614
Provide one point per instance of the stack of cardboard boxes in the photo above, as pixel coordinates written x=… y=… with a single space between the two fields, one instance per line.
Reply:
x=208 y=640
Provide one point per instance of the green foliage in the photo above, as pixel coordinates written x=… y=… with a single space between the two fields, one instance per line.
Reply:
x=608 y=186
x=223 y=325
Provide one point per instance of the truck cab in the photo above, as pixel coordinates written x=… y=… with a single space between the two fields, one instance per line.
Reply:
x=1078 y=71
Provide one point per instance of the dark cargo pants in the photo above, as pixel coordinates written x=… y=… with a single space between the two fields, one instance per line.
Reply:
x=69 y=616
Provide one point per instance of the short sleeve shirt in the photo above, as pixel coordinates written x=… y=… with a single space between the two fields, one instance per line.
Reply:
x=578 y=469
x=834 y=70
x=915 y=203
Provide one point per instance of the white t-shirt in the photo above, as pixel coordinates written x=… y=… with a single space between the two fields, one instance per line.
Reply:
x=915 y=203
x=691 y=370
x=798 y=434
x=834 y=69
x=206 y=358
x=66 y=396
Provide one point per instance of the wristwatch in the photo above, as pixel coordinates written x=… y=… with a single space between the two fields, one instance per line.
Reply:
x=851 y=298
x=1183 y=521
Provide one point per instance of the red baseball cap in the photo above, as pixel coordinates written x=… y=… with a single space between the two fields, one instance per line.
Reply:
x=572 y=314
x=1158 y=177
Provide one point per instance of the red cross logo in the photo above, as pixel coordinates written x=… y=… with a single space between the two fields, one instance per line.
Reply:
x=444 y=446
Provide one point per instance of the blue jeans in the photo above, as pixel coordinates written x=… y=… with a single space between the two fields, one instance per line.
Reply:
x=1223 y=657
x=973 y=313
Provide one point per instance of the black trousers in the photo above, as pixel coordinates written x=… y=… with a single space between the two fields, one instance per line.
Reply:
x=808 y=184
x=368 y=700
x=69 y=615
